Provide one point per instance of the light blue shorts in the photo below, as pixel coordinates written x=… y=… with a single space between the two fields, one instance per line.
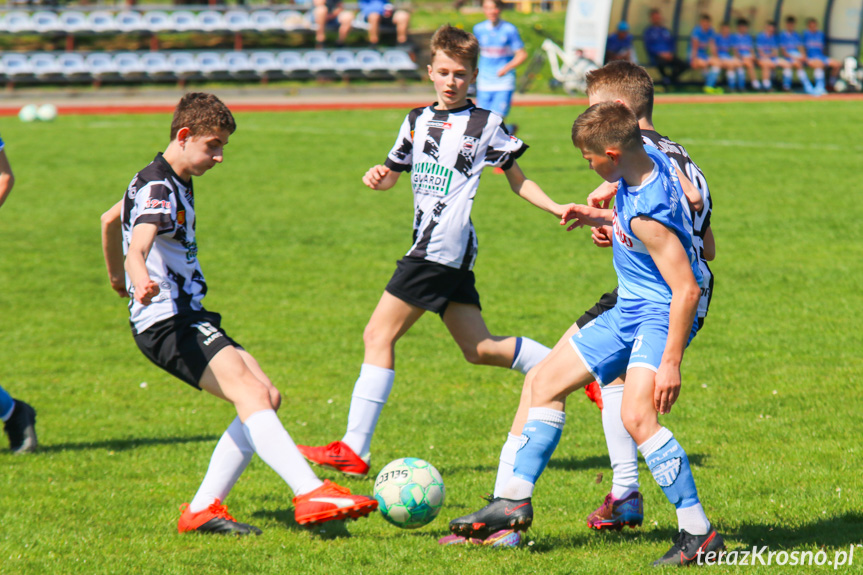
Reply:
x=632 y=334
x=498 y=101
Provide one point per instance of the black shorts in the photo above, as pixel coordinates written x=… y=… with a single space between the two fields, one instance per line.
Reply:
x=184 y=344
x=605 y=303
x=431 y=286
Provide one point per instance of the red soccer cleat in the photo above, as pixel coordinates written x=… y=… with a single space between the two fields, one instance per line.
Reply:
x=594 y=394
x=337 y=455
x=330 y=502
x=213 y=519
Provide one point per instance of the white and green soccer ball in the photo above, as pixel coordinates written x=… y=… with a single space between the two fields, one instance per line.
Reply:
x=409 y=492
x=28 y=113
x=47 y=112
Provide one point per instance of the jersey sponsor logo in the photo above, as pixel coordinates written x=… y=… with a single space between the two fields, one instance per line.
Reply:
x=154 y=204
x=181 y=217
x=431 y=179
x=207 y=329
x=621 y=236
x=637 y=343
x=132 y=192
x=438 y=124
x=468 y=147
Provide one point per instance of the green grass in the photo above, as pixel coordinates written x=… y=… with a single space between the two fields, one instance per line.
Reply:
x=297 y=252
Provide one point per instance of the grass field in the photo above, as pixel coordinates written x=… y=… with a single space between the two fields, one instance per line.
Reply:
x=297 y=252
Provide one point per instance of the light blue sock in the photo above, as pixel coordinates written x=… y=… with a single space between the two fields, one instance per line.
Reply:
x=540 y=436
x=712 y=76
x=819 y=79
x=670 y=467
x=787 y=75
x=804 y=79
x=731 y=77
x=7 y=404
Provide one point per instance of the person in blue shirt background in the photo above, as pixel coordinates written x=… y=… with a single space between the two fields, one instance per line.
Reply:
x=702 y=53
x=791 y=48
x=661 y=49
x=767 y=49
x=501 y=51
x=744 y=50
x=619 y=45
x=727 y=60
x=816 y=56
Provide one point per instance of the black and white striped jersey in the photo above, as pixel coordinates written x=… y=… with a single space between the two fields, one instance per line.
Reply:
x=446 y=151
x=158 y=196
x=700 y=220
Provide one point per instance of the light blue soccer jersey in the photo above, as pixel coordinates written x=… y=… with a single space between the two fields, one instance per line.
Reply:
x=814 y=42
x=724 y=44
x=790 y=42
x=743 y=44
x=766 y=45
x=497 y=46
x=704 y=37
x=659 y=198
x=2 y=145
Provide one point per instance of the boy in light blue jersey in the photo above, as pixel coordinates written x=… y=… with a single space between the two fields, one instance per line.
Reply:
x=702 y=53
x=643 y=337
x=501 y=51
x=19 y=419
x=744 y=49
x=791 y=48
x=727 y=60
x=767 y=48
x=816 y=58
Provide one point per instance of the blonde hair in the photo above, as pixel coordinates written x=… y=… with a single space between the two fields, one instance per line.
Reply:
x=455 y=43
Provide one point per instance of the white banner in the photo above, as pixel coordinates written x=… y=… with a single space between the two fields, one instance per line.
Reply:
x=587 y=28
x=844 y=25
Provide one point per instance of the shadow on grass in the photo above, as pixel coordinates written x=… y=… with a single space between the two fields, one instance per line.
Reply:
x=125 y=444
x=601 y=461
x=584 y=538
x=837 y=531
x=328 y=530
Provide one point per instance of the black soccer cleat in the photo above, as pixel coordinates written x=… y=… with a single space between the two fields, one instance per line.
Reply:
x=498 y=514
x=691 y=549
x=21 y=428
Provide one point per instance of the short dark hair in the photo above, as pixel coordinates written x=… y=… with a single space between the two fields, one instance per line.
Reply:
x=705 y=16
x=790 y=20
x=203 y=114
x=742 y=22
x=624 y=80
x=605 y=125
x=455 y=43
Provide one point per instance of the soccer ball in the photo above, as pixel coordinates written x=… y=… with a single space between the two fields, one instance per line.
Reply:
x=47 y=112
x=28 y=113
x=410 y=492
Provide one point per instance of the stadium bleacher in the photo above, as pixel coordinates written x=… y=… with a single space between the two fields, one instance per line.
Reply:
x=156 y=65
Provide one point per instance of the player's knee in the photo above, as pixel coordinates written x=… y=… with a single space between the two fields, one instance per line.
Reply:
x=376 y=338
x=638 y=423
x=483 y=353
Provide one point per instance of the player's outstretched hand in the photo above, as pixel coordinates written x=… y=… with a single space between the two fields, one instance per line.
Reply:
x=583 y=216
x=666 y=388
x=601 y=236
x=375 y=176
x=602 y=195
x=144 y=294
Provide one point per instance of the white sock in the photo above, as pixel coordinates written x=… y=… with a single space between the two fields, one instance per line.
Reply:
x=507 y=462
x=371 y=392
x=693 y=520
x=787 y=74
x=818 y=73
x=801 y=75
x=272 y=443
x=229 y=460
x=528 y=353
x=622 y=450
x=659 y=439
x=766 y=84
x=517 y=488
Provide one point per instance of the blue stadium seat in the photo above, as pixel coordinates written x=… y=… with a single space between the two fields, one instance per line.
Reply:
x=183 y=21
x=101 y=66
x=344 y=62
x=212 y=21
x=211 y=65
x=73 y=21
x=265 y=21
x=156 y=21
x=319 y=64
x=45 y=22
x=156 y=66
x=101 y=22
x=16 y=67
x=129 y=66
x=266 y=65
x=18 y=22
x=293 y=66
x=184 y=65
x=43 y=65
x=130 y=22
x=74 y=67
x=372 y=64
x=399 y=63
x=237 y=20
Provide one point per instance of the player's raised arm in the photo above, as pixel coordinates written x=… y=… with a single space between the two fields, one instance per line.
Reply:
x=112 y=248
x=7 y=179
x=673 y=263
x=380 y=177
x=143 y=236
x=530 y=191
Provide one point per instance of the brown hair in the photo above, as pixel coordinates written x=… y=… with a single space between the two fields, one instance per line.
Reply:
x=625 y=81
x=606 y=125
x=455 y=43
x=203 y=114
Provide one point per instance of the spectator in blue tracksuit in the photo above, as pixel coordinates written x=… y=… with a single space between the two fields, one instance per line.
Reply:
x=661 y=49
x=619 y=45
